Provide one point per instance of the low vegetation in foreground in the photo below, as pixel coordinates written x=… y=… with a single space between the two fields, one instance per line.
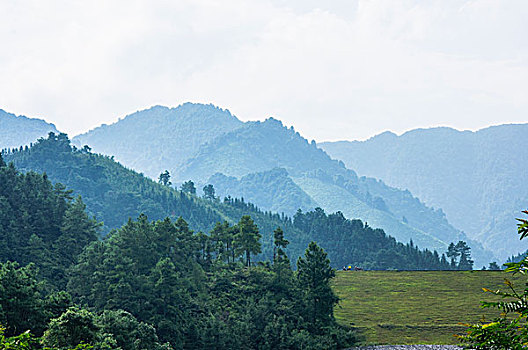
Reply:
x=414 y=307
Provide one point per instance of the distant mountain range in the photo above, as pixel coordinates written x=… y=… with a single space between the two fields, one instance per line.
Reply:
x=16 y=131
x=479 y=179
x=267 y=164
x=159 y=138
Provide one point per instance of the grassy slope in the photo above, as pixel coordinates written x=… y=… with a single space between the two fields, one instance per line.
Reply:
x=410 y=307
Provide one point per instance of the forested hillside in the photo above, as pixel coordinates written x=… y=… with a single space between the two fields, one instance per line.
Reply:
x=477 y=178
x=150 y=285
x=114 y=194
x=159 y=285
x=264 y=145
x=274 y=189
x=16 y=131
x=41 y=224
x=250 y=149
x=159 y=138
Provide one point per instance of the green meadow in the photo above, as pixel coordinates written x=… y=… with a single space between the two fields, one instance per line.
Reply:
x=415 y=307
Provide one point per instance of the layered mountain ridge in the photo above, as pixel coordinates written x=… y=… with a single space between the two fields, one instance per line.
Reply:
x=217 y=144
x=478 y=178
x=16 y=131
x=149 y=140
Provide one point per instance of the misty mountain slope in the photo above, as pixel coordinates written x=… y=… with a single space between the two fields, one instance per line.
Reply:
x=273 y=190
x=223 y=144
x=349 y=205
x=261 y=146
x=16 y=131
x=257 y=147
x=159 y=138
x=479 y=179
x=434 y=233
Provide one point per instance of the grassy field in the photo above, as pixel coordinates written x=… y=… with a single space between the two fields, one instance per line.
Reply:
x=414 y=307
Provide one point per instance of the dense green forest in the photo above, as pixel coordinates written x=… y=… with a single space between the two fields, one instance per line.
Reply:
x=152 y=284
x=114 y=194
x=157 y=284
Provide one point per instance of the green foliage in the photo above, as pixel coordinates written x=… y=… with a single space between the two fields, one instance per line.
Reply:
x=21 y=306
x=164 y=178
x=128 y=332
x=159 y=273
x=510 y=331
x=314 y=275
x=39 y=223
x=209 y=192
x=74 y=327
x=247 y=238
x=23 y=341
x=460 y=255
x=351 y=242
x=188 y=187
x=112 y=193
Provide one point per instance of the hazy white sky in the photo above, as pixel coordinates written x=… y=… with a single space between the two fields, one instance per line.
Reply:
x=333 y=69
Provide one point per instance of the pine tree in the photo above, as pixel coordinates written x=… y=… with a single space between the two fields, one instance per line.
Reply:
x=188 y=187
x=209 y=192
x=77 y=231
x=164 y=178
x=247 y=238
x=314 y=275
x=464 y=250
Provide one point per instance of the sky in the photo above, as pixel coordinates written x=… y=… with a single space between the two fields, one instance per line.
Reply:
x=333 y=69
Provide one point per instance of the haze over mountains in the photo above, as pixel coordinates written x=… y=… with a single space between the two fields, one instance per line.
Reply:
x=274 y=167
x=478 y=178
x=159 y=138
x=266 y=163
x=16 y=131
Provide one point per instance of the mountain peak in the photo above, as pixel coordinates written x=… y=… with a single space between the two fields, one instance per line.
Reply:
x=178 y=133
x=21 y=130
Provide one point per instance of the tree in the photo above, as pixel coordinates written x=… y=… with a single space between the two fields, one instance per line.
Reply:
x=77 y=231
x=218 y=238
x=460 y=255
x=128 y=332
x=453 y=254
x=209 y=192
x=188 y=187
x=21 y=307
x=247 y=238
x=74 y=327
x=314 y=274
x=493 y=266
x=280 y=244
x=164 y=178
x=464 y=251
x=281 y=263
